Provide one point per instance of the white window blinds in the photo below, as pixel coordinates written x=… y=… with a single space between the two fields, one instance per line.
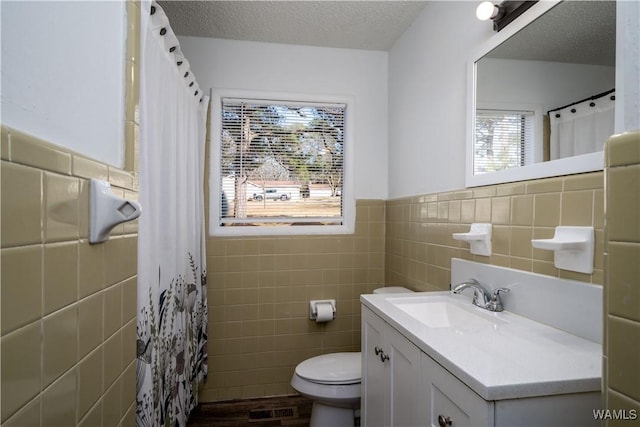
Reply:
x=504 y=139
x=282 y=163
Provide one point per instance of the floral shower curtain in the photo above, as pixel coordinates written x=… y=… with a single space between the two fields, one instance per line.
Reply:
x=172 y=295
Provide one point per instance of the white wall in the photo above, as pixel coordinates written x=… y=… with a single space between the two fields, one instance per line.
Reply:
x=230 y=64
x=427 y=98
x=627 y=66
x=427 y=93
x=63 y=74
x=549 y=84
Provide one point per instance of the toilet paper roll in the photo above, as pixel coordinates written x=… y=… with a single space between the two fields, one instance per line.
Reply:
x=325 y=312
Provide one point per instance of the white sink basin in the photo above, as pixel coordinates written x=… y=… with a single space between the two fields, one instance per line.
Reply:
x=442 y=312
x=547 y=340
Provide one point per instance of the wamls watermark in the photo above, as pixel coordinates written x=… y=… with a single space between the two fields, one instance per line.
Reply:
x=615 y=414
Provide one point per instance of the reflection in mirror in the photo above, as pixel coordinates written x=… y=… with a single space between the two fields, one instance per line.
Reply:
x=547 y=92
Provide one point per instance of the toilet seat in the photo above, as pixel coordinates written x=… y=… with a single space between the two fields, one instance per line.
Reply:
x=331 y=369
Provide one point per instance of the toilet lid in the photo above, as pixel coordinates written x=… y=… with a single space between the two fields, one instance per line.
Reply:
x=334 y=368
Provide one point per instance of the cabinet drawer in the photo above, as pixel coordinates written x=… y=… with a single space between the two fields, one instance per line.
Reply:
x=449 y=398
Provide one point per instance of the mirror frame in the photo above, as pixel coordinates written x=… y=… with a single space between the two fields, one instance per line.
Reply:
x=567 y=166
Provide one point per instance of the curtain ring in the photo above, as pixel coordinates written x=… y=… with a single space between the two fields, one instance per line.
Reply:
x=186 y=74
x=195 y=93
x=612 y=97
x=592 y=104
x=557 y=115
x=153 y=10
x=573 y=110
x=190 y=84
x=179 y=63
x=163 y=31
x=172 y=48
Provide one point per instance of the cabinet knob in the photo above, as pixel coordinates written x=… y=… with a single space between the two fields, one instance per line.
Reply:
x=381 y=353
x=444 y=421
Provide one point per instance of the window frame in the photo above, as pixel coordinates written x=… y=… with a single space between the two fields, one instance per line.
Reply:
x=536 y=154
x=215 y=196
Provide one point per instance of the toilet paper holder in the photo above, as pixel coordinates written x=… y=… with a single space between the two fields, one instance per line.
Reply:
x=313 y=307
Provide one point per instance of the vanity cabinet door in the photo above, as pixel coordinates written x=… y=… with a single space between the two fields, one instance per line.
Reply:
x=375 y=384
x=449 y=401
x=390 y=375
x=404 y=371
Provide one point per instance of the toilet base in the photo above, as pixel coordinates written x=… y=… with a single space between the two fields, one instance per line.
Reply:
x=331 y=416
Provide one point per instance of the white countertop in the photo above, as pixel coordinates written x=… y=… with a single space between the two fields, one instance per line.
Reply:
x=514 y=358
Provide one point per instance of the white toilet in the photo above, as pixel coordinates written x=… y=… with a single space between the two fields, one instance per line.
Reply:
x=332 y=381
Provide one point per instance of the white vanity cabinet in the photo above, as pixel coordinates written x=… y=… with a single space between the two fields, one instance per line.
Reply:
x=452 y=363
x=403 y=386
x=390 y=375
x=448 y=401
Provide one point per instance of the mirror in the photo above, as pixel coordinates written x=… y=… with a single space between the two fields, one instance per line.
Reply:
x=542 y=94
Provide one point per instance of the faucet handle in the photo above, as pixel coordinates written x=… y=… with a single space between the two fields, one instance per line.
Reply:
x=496 y=304
x=496 y=292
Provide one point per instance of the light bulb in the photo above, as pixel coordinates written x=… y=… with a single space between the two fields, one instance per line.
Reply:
x=486 y=10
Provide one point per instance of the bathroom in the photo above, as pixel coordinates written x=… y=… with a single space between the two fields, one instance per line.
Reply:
x=68 y=307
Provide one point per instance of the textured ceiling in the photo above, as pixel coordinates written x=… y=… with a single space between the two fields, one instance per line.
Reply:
x=581 y=32
x=370 y=25
x=574 y=31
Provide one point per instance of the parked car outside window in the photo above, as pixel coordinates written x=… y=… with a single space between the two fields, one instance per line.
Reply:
x=272 y=194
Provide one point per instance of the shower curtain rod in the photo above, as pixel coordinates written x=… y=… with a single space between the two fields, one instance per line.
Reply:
x=591 y=98
x=172 y=49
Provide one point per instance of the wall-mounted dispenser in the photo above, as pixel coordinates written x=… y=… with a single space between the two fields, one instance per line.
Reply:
x=106 y=210
x=573 y=248
x=479 y=238
x=322 y=310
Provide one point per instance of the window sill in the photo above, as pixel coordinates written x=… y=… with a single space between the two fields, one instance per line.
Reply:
x=287 y=230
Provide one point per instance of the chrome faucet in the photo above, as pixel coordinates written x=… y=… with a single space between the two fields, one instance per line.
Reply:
x=481 y=296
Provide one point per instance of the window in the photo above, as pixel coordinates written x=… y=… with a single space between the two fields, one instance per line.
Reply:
x=280 y=166
x=504 y=140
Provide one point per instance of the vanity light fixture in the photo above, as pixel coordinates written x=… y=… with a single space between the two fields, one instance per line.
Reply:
x=502 y=14
x=488 y=10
